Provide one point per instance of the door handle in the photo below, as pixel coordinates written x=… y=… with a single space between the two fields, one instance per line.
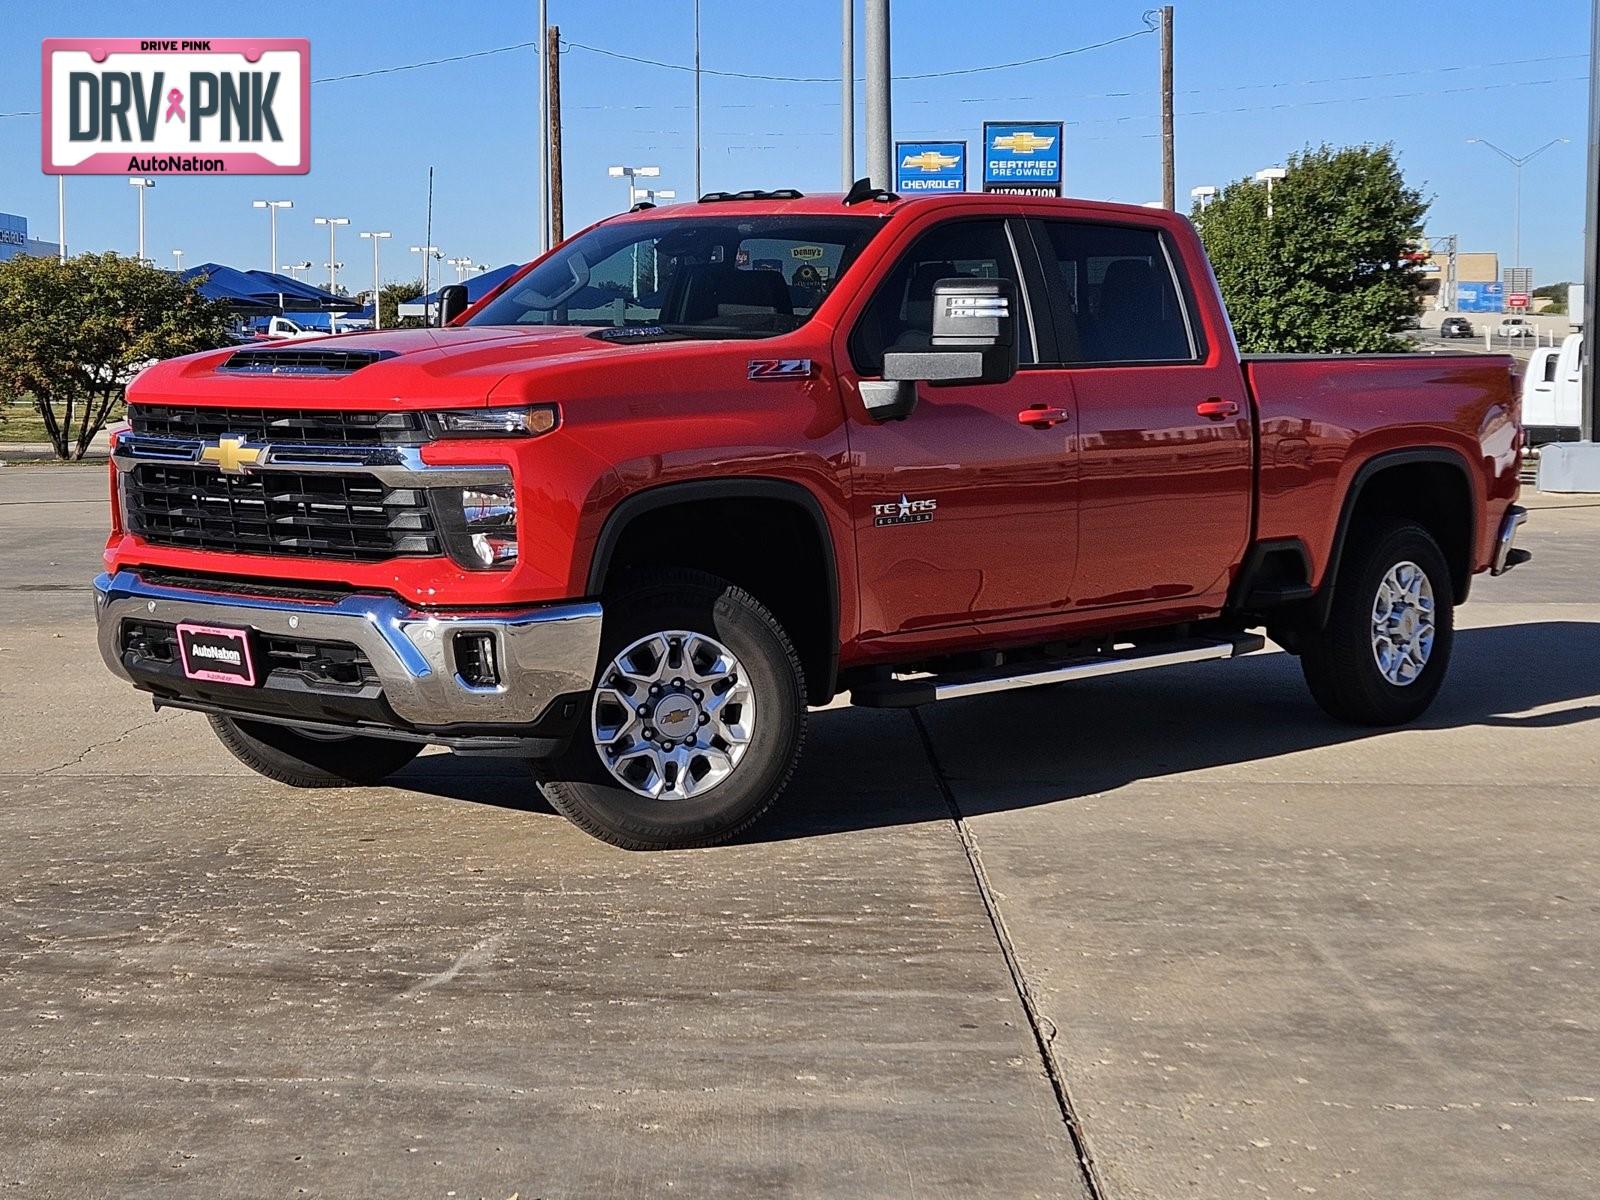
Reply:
x=1041 y=417
x=1217 y=409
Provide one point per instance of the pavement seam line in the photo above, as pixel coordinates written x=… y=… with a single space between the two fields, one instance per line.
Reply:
x=1044 y=1030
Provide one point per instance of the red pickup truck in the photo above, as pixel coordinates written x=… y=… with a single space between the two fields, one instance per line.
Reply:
x=703 y=466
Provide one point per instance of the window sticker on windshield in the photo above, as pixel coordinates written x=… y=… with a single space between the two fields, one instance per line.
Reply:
x=806 y=253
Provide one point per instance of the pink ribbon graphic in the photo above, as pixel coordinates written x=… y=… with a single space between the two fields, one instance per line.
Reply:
x=175 y=105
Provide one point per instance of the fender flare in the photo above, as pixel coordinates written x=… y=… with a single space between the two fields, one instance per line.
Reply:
x=1322 y=603
x=690 y=491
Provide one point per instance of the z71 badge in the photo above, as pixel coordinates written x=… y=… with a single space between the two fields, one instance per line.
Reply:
x=904 y=512
x=780 y=368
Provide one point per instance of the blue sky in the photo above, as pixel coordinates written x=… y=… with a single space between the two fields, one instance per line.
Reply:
x=1429 y=78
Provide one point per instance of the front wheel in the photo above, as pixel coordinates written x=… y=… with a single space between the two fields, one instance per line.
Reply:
x=1382 y=656
x=695 y=722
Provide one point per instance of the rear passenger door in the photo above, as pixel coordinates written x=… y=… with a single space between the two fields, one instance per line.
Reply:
x=1163 y=419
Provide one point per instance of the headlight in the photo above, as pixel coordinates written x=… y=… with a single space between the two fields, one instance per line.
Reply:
x=522 y=421
x=479 y=525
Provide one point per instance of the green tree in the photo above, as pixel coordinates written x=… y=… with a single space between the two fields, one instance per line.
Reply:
x=1556 y=293
x=74 y=333
x=392 y=297
x=1330 y=271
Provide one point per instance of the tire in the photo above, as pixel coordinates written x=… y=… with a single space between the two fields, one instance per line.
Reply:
x=302 y=761
x=697 y=802
x=1341 y=662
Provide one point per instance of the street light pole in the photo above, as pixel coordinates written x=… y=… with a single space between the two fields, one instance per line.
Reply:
x=142 y=185
x=880 y=123
x=1270 y=176
x=847 y=96
x=697 y=190
x=178 y=255
x=272 y=207
x=428 y=254
x=376 y=237
x=630 y=174
x=1203 y=195
x=333 y=224
x=294 y=269
x=461 y=264
x=1517 y=163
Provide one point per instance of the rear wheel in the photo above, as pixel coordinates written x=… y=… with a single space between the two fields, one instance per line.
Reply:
x=695 y=722
x=1383 y=654
x=312 y=761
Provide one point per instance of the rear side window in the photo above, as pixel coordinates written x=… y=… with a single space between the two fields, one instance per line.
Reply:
x=1113 y=295
x=1550 y=363
x=900 y=315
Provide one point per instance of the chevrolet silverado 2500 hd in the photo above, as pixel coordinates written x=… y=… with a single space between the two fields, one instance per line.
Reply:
x=700 y=467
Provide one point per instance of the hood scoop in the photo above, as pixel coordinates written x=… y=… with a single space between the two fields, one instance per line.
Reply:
x=302 y=361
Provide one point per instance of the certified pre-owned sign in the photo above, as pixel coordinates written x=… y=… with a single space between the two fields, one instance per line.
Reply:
x=154 y=106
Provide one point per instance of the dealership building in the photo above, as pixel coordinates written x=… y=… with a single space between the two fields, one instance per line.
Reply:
x=14 y=239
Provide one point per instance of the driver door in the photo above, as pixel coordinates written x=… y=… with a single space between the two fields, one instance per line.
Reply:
x=963 y=513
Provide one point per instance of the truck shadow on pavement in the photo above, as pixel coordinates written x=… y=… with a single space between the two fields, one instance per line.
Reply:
x=867 y=768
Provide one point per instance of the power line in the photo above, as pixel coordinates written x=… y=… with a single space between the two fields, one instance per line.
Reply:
x=1005 y=66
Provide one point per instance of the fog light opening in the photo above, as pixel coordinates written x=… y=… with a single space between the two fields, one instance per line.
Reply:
x=477 y=662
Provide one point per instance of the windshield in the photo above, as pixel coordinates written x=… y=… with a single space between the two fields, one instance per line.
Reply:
x=700 y=276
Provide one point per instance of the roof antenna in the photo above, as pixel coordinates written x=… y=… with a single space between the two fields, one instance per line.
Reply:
x=862 y=190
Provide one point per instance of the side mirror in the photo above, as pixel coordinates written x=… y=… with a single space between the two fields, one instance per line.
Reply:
x=974 y=336
x=452 y=302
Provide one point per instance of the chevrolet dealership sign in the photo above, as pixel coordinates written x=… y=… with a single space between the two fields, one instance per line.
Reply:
x=212 y=106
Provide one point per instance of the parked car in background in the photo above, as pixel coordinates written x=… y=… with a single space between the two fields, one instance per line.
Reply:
x=1552 y=393
x=1455 y=327
x=1514 y=327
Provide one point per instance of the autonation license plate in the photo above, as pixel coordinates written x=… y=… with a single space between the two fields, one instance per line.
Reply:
x=217 y=655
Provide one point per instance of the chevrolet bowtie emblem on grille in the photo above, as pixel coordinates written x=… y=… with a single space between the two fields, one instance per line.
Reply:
x=231 y=455
x=1023 y=142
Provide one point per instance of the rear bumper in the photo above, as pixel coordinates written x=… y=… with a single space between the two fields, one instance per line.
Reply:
x=1506 y=555
x=543 y=654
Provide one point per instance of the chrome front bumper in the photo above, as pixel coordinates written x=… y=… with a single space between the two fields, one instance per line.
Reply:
x=544 y=652
x=1505 y=554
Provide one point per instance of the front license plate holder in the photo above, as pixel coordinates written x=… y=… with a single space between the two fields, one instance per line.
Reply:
x=217 y=654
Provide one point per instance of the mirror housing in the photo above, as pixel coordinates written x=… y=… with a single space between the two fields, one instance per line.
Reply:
x=452 y=302
x=974 y=337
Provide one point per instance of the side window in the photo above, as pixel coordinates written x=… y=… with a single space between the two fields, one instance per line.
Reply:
x=1113 y=295
x=900 y=314
x=1550 y=368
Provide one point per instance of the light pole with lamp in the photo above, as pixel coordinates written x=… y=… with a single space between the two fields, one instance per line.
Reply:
x=630 y=174
x=143 y=185
x=429 y=253
x=178 y=255
x=294 y=269
x=461 y=265
x=376 y=236
x=1518 y=162
x=1270 y=176
x=333 y=224
x=1203 y=195
x=272 y=207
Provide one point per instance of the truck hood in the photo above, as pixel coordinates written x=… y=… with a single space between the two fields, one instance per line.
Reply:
x=416 y=368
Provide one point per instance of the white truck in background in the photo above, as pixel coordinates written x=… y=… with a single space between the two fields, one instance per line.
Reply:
x=1552 y=392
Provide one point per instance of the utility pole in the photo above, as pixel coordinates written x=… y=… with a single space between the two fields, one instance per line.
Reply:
x=847 y=96
x=697 y=192
x=880 y=122
x=544 y=130
x=1169 y=195
x=552 y=51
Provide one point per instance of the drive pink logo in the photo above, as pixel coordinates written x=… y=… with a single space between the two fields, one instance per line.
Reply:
x=212 y=106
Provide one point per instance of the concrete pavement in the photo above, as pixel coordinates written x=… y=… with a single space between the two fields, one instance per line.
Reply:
x=1249 y=952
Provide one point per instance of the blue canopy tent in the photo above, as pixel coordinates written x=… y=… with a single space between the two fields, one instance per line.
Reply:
x=233 y=288
x=478 y=286
x=298 y=296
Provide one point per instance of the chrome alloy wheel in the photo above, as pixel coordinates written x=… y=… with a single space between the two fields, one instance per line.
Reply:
x=1402 y=623
x=673 y=715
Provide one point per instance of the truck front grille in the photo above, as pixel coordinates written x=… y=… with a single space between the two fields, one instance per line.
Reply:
x=307 y=513
x=307 y=426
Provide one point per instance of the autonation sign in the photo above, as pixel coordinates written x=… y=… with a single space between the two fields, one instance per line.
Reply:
x=213 y=106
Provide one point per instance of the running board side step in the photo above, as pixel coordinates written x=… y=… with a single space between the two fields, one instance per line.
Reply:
x=905 y=691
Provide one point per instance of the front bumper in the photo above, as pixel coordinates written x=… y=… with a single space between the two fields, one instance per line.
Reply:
x=1506 y=555
x=544 y=654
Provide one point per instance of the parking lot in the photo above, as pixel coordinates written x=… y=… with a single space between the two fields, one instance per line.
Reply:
x=1165 y=935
